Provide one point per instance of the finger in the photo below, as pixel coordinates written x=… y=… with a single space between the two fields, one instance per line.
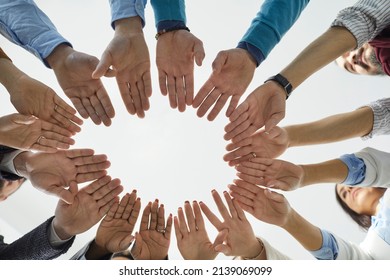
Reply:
x=250 y=187
x=259 y=163
x=144 y=99
x=208 y=102
x=224 y=249
x=111 y=212
x=103 y=66
x=160 y=217
x=203 y=93
x=74 y=153
x=147 y=82
x=189 y=88
x=91 y=168
x=220 y=205
x=233 y=124
x=112 y=194
x=97 y=184
x=233 y=104
x=145 y=217
x=135 y=95
x=210 y=216
x=41 y=148
x=162 y=80
x=171 y=83
x=273 y=121
x=104 y=208
x=221 y=237
x=86 y=177
x=67 y=195
x=129 y=206
x=232 y=210
x=241 y=109
x=136 y=249
x=242 y=200
x=168 y=227
x=107 y=190
x=59 y=133
x=79 y=107
x=178 y=234
x=246 y=133
x=182 y=222
x=199 y=53
x=190 y=216
x=242 y=127
x=239 y=211
x=122 y=205
x=91 y=111
x=243 y=151
x=257 y=171
x=180 y=91
x=100 y=110
x=66 y=110
x=277 y=197
x=89 y=159
x=251 y=179
x=199 y=222
x=218 y=107
x=126 y=97
x=153 y=215
x=135 y=212
x=242 y=192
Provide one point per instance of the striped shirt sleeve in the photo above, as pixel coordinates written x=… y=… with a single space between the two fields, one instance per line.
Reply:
x=381 y=110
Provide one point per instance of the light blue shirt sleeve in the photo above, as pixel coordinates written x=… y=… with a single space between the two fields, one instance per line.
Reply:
x=356 y=169
x=127 y=8
x=273 y=20
x=381 y=222
x=172 y=10
x=329 y=249
x=24 y=24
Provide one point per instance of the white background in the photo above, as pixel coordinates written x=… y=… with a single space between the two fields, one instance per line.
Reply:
x=177 y=156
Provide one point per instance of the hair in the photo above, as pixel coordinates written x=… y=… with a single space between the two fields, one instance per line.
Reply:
x=362 y=220
x=123 y=254
x=2 y=182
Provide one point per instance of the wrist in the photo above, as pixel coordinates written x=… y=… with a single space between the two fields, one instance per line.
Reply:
x=9 y=74
x=59 y=55
x=257 y=251
x=61 y=232
x=95 y=251
x=282 y=82
x=125 y=26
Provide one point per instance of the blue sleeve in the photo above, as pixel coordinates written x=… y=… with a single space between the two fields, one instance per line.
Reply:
x=380 y=223
x=329 y=249
x=24 y=24
x=127 y=8
x=273 y=20
x=356 y=169
x=168 y=10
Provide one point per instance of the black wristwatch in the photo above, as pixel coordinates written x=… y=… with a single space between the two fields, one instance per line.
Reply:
x=283 y=82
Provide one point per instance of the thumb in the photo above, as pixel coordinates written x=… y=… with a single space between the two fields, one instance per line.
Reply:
x=23 y=119
x=67 y=195
x=273 y=121
x=103 y=67
x=220 y=237
x=219 y=62
x=224 y=249
x=199 y=53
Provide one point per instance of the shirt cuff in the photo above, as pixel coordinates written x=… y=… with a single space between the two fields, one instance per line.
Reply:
x=168 y=24
x=255 y=52
x=356 y=169
x=126 y=9
x=54 y=239
x=329 y=249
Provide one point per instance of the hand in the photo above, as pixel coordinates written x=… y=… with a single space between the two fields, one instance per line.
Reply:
x=175 y=54
x=265 y=106
x=114 y=231
x=271 y=173
x=265 y=205
x=152 y=241
x=240 y=240
x=29 y=133
x=74 y=74
x=263 y=144
x=90 y=204
x=232 y=72
x=52 y=173
x=128 y=55
x=192 y=239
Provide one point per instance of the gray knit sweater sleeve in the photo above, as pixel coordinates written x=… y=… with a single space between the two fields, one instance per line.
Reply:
x=33 y=246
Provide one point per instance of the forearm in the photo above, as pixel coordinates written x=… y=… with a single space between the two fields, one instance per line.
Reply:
x=332 y=171
x=332 y=129
x=9 y=74
x=128 y=26
x=325 y=49
x=26 y=25
x=303 y=231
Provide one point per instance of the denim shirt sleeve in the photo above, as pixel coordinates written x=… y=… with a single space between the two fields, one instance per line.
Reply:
x=168 y=10
x=356 y=169
x=381 y=222
x=273 y=20
x=329 y=249
x=24 y=24
x=127 y=8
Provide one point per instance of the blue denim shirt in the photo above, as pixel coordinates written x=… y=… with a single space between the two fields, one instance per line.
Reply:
x=356 y=169
x=24 y=24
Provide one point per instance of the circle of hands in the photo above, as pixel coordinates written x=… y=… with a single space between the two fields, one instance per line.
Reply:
x=46 y=124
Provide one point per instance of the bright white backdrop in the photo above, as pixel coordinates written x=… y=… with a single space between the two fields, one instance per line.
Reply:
x=177 y=156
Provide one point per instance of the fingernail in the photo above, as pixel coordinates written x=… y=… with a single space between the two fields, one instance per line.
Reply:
x=186 y=201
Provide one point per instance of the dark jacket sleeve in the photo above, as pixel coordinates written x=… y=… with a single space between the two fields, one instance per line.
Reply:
x=34 y=245
x=6 y=175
